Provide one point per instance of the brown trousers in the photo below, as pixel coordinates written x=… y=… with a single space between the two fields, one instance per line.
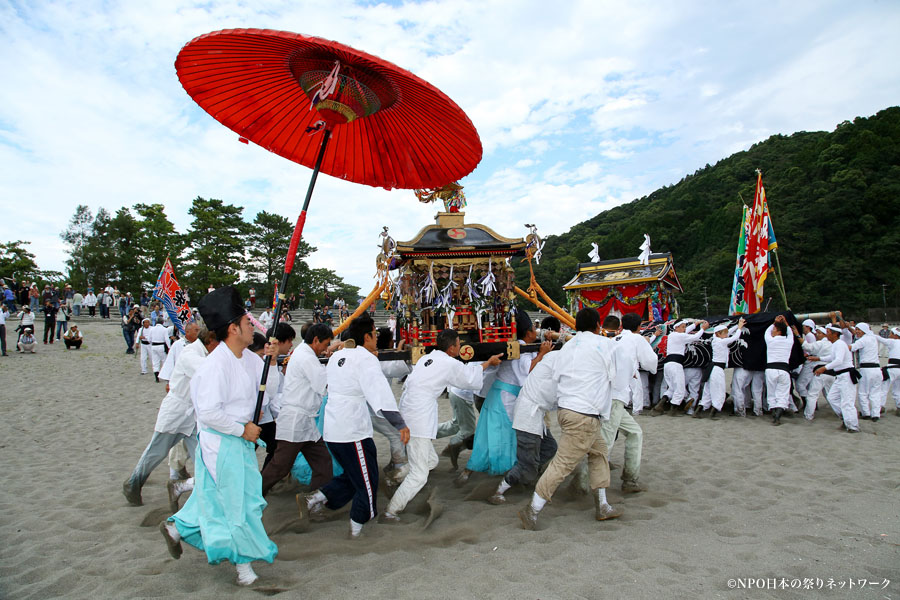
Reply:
x=315 y=453
x=580 y=437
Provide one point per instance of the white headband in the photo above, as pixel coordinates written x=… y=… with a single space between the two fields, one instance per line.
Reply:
x=719 y=328
x=809 y=323
x=834 y=328
x=864 y=327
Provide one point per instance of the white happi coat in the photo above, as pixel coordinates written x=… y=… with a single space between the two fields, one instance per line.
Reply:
x=514 y=372
x=176 y=413
x=842 y=395
x=537 y=397
x=869 y=390
x=714 y=388
x=892 y=385
x=632 y=354
x=174 y=352
x=584 y=373
x=429 y=377
x=354 y=380
x=673 y=371
x=301 y=400
x=778 y=383
x=158 y=335
x=223 y=392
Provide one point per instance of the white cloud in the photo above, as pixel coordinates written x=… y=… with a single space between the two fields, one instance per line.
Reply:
x=579 y=108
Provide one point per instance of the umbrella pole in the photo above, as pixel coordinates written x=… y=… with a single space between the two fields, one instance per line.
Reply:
x=288 y=267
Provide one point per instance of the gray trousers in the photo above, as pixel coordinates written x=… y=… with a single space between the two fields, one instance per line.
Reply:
x=382 y=426
x=156 y=452
x=462 y=425
x=532 y=451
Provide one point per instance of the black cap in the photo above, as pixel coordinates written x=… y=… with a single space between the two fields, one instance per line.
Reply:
x=523 y=323
x=221 y=307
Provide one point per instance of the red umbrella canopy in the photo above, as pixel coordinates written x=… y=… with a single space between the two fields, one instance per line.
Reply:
x=278 y=89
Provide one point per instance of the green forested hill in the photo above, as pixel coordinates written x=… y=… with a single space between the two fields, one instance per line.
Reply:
x=834 y=199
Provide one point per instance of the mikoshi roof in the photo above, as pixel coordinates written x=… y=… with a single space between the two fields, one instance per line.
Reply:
x=389 y=128
x=626 y=271
x=452 y=237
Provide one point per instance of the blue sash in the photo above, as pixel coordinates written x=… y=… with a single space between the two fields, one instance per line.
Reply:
x=224 y=518
x=494 y=449
x=301 y=470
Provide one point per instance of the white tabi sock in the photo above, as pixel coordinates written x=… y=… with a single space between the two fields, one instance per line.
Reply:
x=184 y=486
x=601 y=494
x=246 y=575
x=173 y=531
x=173 y=474
x=501 y=489
x=537 y=503
x=355 y=528
x=317 y=498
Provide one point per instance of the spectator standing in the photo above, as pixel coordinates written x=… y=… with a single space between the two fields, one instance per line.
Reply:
x=70 y=297
x=34 y=296
x=252 y=294
x=302 y=295
x=72 y=338
x=46 y=295
x=9 y=298
x=22 y=293
x=49 y=320
x=62 y=320
x=90 y=301
x=77 y=300
x=4 y=314
x=101 y=303
x=145 y=298
x=108 y=302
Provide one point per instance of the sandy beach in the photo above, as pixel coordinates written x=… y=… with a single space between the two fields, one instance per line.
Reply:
x=729 y=499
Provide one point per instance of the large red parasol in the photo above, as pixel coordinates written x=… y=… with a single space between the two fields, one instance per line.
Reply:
x=389 y=128
x=291 y=94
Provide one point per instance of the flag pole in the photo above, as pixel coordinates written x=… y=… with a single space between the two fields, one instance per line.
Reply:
x=288 y=267
x=780 y=280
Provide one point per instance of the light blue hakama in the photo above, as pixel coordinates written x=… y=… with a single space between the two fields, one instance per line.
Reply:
x=224 y=518
x=494 y=448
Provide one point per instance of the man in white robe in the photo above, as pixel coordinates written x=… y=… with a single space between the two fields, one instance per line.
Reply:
x=223 y=516
x=419 y=408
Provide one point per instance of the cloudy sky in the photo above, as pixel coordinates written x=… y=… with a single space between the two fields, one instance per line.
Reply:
x=580 y=105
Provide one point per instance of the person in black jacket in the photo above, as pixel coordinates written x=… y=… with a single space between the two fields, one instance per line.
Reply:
x=49 y=320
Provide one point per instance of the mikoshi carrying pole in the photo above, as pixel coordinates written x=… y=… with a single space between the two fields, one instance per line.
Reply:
x=288 y=267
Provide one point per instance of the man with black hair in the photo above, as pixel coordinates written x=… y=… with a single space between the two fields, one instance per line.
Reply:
x=779 y=342
x=354 y=381
x=176 y=420
x=419 y=407
x=301 y=400
x=391 y=369
x=632 y=353
x=494 y=447
x=284 y=334
x=223 y=516
x=585 y=370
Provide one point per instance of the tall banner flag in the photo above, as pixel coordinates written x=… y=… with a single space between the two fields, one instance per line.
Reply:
x=174 y=298
x=756 y=259
x=738 y=304
x=275 y=297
